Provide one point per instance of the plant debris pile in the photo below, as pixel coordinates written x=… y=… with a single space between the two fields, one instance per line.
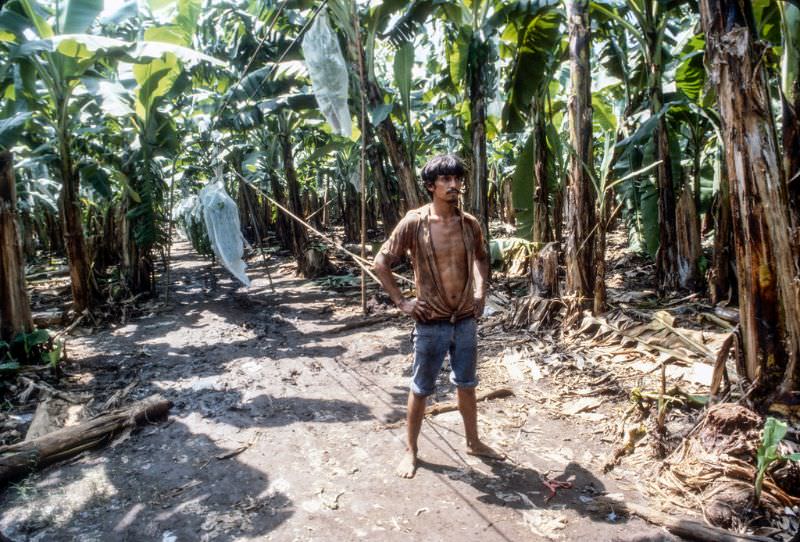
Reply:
x=713 y=471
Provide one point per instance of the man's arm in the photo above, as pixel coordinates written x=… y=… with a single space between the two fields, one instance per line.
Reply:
x=481 y=272
x=415 y=308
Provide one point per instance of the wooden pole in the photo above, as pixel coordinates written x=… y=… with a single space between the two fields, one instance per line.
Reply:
x=363 y=184
x=15 y=310
x=251 y=209
x=685 y=528
x=325 y=203
x=168 y=269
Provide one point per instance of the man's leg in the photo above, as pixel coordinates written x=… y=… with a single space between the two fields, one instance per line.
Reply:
x=463 y=361
x=429 y=352
x=416 y=412
x=468 y=407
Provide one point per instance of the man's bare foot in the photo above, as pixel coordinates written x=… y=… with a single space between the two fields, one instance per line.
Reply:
x=482 y=450
x=408 y=465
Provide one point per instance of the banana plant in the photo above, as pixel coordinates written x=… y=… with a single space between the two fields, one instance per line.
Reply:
x=471 y=33
x=790 y=100
x=361 y=48
x=164 y=59
x=647 y=23
x=538 y=47
x=51 y=63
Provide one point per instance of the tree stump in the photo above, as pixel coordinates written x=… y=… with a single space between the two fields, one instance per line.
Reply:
x=15 y=310
x=544 y=272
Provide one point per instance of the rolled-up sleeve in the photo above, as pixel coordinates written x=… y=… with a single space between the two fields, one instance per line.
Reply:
x=480 y=245
x=401 y=240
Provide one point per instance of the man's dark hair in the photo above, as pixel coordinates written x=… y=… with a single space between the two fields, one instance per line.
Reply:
x=444 y=164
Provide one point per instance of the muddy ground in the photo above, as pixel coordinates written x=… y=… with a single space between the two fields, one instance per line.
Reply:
x=313 y=414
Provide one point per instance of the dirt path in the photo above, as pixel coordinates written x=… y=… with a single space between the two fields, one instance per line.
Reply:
x=262 y=374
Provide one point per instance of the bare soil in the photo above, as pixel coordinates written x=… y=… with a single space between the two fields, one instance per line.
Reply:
x=284 y=429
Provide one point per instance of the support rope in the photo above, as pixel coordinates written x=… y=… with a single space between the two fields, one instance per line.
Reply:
x=362 y=263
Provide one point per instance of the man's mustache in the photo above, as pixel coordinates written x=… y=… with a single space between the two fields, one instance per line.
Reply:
x=455 y=191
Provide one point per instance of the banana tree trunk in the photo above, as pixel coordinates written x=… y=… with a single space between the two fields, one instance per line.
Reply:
x=253 y=218
x=479 y=172
x=542 y=232
x=245 y=216
x=410 y=197
x=136 y=262
x=389 y=212
x=509 y=215
x=721 y=279
x=282 y=226
x=667 y=269
x=698 y=141
x=110 y=242
x=15 y=310
x=352 y=214
x=791 y=152
x=790 y=106
x=138 y=265
x=399 y=158
x=299 y=236
x=313 y=196
x=28 y=226
x=53 y=233
x=579 y=208
x=688 y=240
x=769 y=304
x=603 y=220
x=83 y=290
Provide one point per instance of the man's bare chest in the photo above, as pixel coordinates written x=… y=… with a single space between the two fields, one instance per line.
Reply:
x=448 y=246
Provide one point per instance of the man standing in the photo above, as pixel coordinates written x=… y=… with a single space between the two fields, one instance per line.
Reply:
x=451 y=267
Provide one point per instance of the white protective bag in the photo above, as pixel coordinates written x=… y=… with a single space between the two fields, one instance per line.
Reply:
x=328 y=72
x=221 y=216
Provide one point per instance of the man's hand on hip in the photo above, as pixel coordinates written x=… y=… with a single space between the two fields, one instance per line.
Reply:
x=416 y=309
x=478 y=305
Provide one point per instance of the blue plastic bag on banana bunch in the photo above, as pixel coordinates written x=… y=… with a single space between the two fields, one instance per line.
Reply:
x=221 y=216
x=328 y=72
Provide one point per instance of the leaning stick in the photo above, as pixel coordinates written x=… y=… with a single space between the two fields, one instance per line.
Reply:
x=362 y=263
x=451 y=406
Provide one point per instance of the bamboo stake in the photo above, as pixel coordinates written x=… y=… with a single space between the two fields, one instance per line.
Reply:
x=251 y=210
x=168 y=273
x=363 y=183
x=326 y=202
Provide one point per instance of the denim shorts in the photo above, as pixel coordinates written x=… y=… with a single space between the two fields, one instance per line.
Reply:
x=432 y=340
